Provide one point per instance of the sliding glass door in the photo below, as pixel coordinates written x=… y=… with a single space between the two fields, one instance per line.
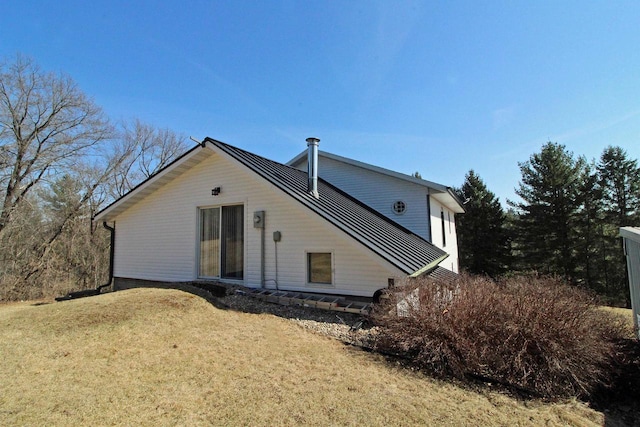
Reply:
x=232 y=253
x=222 y=242
x=209 y=242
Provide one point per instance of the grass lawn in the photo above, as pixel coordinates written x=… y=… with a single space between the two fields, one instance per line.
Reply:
x=166 y=357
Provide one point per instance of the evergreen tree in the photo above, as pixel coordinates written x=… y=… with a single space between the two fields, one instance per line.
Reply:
x=546 y=220
x=620 y=180
x=590 y=266
x=63 y=198
x=483 y=245
x=620 y=183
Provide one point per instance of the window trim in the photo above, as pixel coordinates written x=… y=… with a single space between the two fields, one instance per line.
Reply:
x=308 y=281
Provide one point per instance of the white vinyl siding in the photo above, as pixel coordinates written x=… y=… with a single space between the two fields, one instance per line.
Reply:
x=157 y=238
x=448 y=227
x=631 y=238
x=380 y=192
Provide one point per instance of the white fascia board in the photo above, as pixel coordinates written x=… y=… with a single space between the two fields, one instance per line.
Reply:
x=146 y=187
x=450 y=201
x=631 y=233
x=293 y=162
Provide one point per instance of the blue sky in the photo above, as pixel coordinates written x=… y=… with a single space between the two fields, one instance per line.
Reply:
x=438 y=87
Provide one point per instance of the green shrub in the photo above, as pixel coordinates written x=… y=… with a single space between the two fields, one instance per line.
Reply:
x=530 y=333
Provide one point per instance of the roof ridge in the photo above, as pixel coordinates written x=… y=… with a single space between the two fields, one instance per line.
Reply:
x=337 y=189
x=218 y=142
x=377 y=169
x=400 y=247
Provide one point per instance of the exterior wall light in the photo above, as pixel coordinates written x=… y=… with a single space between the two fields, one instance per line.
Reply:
x=215 y=191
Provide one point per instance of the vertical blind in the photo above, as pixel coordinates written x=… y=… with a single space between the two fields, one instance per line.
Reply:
x=210 y=242
x=222 y=242
x=233 y=239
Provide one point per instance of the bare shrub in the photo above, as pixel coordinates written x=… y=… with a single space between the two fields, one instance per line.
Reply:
x=531 y=333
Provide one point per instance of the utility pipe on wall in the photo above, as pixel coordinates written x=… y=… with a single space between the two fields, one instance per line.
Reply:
x=262 y=257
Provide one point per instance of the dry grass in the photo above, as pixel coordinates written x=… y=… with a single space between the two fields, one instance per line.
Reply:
x=626 y=316
x=165 y=357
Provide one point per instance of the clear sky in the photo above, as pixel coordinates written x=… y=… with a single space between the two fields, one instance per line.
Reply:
x=439 y=87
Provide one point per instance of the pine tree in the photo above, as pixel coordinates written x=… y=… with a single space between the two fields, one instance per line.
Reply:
x=547 y=214
x=620 y=183
x=620 y=180
x=590 y=266
x=62 y=199
x=483 y=244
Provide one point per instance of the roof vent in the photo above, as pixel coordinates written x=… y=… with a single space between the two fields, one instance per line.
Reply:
x=312 y=164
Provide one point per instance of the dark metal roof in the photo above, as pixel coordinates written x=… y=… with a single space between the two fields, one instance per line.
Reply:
x=408 y=252
x=441 y=274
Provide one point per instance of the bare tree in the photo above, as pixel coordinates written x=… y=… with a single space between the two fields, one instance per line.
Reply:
x=150 y=149
x=46 y=124
x=60 y=162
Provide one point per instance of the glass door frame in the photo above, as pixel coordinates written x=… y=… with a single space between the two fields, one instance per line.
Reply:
x=221 y=249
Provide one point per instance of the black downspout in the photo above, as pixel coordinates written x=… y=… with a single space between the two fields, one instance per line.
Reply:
x=429 y=217
x=96 y=291
x=112 y=250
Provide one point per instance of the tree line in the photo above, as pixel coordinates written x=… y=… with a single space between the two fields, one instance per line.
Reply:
x=62 y=160
x=566 y=223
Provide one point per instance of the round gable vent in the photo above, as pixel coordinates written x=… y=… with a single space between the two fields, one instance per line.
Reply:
x=399 y=207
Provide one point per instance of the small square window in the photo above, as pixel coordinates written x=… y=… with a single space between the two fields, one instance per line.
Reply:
x=319 y=268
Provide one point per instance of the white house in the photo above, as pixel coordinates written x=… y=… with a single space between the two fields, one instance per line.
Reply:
x=426 y=208
x=631 y=239
x=222 y=213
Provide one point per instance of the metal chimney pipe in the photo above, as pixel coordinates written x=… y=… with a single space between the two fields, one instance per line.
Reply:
x=312 y=165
